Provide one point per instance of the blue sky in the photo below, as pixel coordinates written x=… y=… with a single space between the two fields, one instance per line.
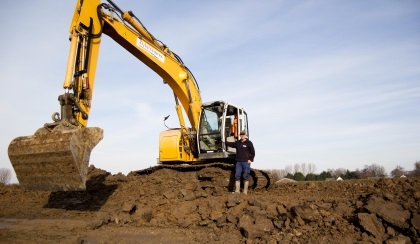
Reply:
x=332 y=83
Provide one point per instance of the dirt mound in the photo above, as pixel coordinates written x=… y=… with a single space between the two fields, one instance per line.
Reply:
x=170 y=206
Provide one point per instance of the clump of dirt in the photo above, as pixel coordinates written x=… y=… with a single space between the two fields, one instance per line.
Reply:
x=170 y=206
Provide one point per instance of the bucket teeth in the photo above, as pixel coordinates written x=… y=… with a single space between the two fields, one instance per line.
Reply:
x=55 y=161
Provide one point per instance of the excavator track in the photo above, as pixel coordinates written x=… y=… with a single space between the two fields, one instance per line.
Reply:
x=216 y=174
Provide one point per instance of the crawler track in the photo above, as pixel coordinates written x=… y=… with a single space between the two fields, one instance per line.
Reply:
x=215 y=174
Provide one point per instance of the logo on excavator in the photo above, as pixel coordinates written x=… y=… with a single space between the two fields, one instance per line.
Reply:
x=152 y=51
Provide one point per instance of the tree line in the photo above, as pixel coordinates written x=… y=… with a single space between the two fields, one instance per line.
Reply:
x=306 y=172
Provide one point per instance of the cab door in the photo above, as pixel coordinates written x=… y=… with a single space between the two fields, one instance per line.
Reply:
x=243 y=121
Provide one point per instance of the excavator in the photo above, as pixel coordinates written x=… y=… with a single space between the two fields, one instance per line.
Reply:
x=56 y=157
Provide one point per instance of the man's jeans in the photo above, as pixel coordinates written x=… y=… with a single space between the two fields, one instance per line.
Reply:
x=242 y=169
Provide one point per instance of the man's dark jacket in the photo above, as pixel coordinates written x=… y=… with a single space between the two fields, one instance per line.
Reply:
x=244 y=150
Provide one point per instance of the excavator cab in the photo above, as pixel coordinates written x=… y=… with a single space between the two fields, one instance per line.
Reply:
x=218 y=121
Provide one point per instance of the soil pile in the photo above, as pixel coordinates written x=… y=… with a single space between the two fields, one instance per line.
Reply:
x=168 y=206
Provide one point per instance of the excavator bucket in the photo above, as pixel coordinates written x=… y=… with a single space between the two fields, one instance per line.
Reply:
x=55 y=160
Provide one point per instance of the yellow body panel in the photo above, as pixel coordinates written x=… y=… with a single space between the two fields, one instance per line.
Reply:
x=171 y=148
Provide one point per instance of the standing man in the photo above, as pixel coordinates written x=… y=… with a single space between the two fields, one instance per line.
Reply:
x=245 y=154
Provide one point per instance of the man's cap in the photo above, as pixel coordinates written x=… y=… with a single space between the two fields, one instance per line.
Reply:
x=243 y=132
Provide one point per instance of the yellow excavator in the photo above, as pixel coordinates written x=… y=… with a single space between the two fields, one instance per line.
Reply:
x=57 y=156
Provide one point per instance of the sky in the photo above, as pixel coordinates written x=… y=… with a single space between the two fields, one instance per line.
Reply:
x=330 y=83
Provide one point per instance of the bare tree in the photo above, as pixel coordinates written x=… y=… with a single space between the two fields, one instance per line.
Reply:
x=378 y=170
x=281 y=173
x=289 y=169
x=278 y=174
x=311 y=168
x=296 y=168
x=5 y=175
x=364 y=173
x=372 y=170
x=416 y=171
x=339 y=172
x=397 y=172
x=304 y=169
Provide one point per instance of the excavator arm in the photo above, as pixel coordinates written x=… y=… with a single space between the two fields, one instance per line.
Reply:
x=57 y=156
x=92 y=19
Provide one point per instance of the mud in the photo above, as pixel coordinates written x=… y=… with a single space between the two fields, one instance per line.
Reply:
x=168 y=206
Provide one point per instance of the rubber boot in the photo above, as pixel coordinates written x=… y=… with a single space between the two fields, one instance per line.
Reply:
x=246 y=183
x=237 y=186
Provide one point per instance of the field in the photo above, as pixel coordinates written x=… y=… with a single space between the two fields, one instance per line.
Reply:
x=168 y=206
